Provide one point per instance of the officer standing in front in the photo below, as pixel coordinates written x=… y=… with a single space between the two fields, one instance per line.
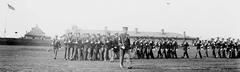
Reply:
x=124 y=43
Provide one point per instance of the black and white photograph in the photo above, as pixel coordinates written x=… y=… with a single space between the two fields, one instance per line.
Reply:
x=119 y=35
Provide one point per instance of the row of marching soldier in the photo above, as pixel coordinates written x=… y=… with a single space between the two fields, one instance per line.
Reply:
x=95 y=46
x=90 y=46
x=107 y=47
x=221 y=48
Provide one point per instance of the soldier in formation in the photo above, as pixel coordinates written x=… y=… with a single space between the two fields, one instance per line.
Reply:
x=221 y=48
x=56 y=45
x=97 y=47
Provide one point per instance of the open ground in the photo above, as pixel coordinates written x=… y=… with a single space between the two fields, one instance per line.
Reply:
x=40 y=59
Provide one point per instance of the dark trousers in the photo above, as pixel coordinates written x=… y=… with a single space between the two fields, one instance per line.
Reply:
x=85 y=52
x=144 y=52
x=238 y=54
x=95 y=53
x=232 y=54
x=165 y=53
x=219 y=53
x=79 y=53
x=138 y=53
x=223 y=53
x=198 y=53
x=141 y=53
x=122 y=53
x=160 y=55
x=174 y=54
x=149 y=53
x=214 y=53
x=169 y=53
x=185 y=53
x=206 y=52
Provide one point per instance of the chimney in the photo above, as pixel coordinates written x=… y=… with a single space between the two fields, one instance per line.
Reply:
x=184 y=34
x=162 y=30
x=136 y=30
x=106 y=30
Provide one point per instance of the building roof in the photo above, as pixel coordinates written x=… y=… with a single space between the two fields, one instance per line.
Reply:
x=35 y=31
x=141 y=34
x=135 y=33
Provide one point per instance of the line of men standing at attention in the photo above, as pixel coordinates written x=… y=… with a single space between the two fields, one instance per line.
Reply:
x=106 y=47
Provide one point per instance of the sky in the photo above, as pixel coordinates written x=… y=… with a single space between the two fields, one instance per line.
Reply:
x=199 y=18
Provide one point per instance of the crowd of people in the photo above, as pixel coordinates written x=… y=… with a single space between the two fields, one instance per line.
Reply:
x=106 y=47
x=94 y=47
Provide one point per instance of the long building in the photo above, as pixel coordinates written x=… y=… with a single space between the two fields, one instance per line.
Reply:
x=137 y=34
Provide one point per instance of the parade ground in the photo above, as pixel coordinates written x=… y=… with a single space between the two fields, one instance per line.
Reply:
x=40 y=59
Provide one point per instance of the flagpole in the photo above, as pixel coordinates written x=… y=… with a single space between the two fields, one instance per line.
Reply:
x=5 y=29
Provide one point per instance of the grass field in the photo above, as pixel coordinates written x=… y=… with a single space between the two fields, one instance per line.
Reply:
x=40 y=59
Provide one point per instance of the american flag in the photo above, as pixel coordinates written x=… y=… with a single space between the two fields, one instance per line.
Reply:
x=11 y=7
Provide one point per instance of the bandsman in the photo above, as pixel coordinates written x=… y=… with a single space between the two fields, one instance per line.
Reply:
x=160 y=46
x=198 y=45
x=185 y=46
x=175 y=47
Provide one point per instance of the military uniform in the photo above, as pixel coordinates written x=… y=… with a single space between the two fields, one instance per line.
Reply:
x=138 y=49
x=124 y=43
x=91 y=47
x=169 y=49
x=102 y=48
x=106 y=47
x=111 y=48
x=140 y=45
x=165 y=49
x=149 y=49
x=206 y=45
x=231 y=52
x=185 y=49
x=75 y=47
x=80 y=49
x=238 y=49
x=68 y=46
x=56 y=45
x=219 y=47
x=86 y=46
x=174 y=51
x=160 y=47
x=223 y=49
x=213 y=46
x=98 y=45
x=198 y=46
x=145 y=46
